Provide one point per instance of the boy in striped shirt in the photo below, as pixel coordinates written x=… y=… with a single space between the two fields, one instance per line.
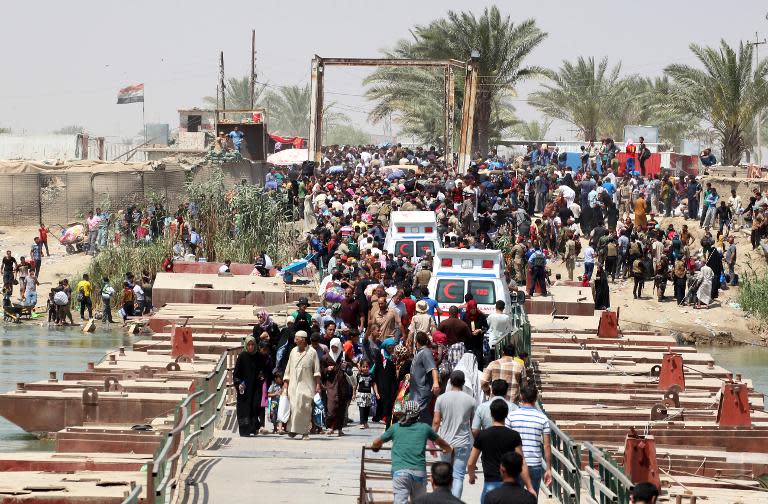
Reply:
x=533 y=427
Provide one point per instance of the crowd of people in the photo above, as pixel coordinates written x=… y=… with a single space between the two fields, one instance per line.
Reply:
x=442 y=377
x=452 y=378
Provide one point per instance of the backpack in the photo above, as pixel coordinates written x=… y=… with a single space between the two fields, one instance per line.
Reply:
x=354 y=248
x=539 y=261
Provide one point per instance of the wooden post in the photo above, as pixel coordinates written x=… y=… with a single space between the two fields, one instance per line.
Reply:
x=253 y=69
x=221 y=82
x=468 y=116
x=316 y=110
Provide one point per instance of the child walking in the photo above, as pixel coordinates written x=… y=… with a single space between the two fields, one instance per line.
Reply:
x=365 y=388
x=274 y=398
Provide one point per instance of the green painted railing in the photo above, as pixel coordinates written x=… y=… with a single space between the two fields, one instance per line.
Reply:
x=608 y=484
x=133 y=496
x=566 y=467
x=194 y=423
x=520 y=335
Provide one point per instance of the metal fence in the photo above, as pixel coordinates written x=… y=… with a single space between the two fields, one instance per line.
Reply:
x=195 y=420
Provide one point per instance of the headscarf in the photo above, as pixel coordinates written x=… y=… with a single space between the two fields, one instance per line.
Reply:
x=264 y=319
x=335 y=342
x=471 y=317
x=410 y=413
x=389 y=342
x=249 y=339
x=468 y=365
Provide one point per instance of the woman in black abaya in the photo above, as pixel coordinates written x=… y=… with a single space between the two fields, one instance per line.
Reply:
x=251 y=371
x=602 y=292
x=715 y=262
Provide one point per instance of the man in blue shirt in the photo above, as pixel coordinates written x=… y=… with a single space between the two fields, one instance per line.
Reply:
x=237 y=138
x=431 y=303
x=538 y=263
x=707 y=158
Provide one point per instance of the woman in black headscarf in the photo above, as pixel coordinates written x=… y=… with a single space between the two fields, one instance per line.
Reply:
x=602 y=291
x=251 y=371
x=715 y=261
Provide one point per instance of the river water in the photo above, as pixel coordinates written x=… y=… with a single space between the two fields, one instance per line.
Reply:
x=751 y=361
x=28 y=352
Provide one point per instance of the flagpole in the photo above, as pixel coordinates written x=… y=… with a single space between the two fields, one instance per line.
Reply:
x=143 y=122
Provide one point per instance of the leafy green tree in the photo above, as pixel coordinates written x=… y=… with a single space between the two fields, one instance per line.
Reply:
x=726 y=93
x=237 y=93
x=5 y=131
x=289 y=108
x=533 y=130
x=346 y=134
x=415 y=95
x=584 y=93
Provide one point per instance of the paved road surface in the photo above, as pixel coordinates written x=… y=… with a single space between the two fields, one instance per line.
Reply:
x=276 y=469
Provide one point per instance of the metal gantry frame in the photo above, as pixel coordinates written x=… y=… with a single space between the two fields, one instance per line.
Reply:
x=468 y=109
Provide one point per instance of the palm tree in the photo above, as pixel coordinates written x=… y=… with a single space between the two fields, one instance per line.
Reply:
x=237 y=94
x=726 y=94
x=416 y=94
x=533 y=130
x=584 y=93
x=288 y=110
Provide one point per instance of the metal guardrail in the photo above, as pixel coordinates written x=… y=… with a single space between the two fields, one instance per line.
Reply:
x=194 y=423
x=369 y=494
x=607 y=481
x=566 y=467
x=133 y=496
x=520 y=336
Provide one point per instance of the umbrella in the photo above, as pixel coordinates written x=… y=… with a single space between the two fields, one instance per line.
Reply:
x=288 y=157
x=336 y=169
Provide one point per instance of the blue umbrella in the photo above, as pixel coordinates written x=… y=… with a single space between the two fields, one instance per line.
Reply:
x=336 y=169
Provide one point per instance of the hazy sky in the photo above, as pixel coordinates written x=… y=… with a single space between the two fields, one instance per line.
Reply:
x=63 y=62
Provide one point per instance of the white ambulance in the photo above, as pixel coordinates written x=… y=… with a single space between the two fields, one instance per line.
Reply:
x=412 y=234
x=457 y=272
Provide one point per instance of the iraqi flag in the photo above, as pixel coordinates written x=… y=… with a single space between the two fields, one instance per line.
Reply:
x=131 y=94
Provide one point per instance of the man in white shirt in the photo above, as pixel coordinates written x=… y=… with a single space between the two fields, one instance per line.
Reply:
x=589 y=261
x=138 y=293
x=568 y=193
x=575 y=209
x=499 y=324
x=224 y=268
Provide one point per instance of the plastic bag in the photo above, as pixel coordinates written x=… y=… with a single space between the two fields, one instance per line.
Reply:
x=318 y=412
x=283 y=409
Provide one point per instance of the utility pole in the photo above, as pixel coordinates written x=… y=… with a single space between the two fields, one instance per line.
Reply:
x=756 y=44
x=221 y=82
x=253 y=69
